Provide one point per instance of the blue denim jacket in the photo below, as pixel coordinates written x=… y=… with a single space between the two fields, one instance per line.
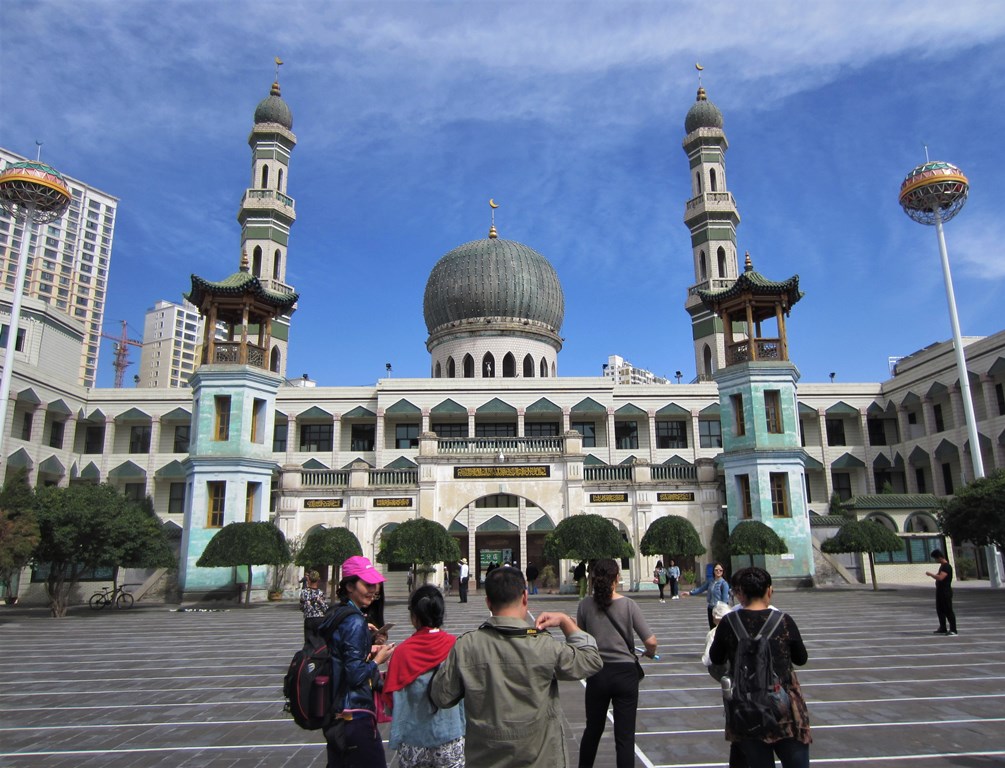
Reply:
x=418 y=723
x=350 y=646
x=718 y=591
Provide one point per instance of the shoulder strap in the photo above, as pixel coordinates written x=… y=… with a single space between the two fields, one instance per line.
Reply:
x=733 y=619
x=335 y=616
x=514 y=631
x=631 y=648
x=771 y=625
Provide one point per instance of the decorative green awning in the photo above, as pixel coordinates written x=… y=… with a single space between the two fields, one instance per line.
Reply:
x=403 y=408
x=456 y=526
x=938 y=389
x=59 y=408
x=173 y=470
x=497 y=524
x=630 y=410
x=677 y=461
x=593 y=461
x=28 y=397
x=359 y=412
x=357 y=460
x=496 y=407
x=588 y=405
x=629 y=460
x=52 y=466
x=710 y=411
x=448 y=408
x=673 y=410
x=998 y=369
x=20 y=458
x=91 y=472
x=314 y=414
x=946 y=451
x=178 y=414
x=910 y=399
x=127 y=471
x=805 y=410
x=401 y=463
x=918 y=456
x=875 y=409
x=842 y=409
x=133 y=414
x=544 y=405
x=810 y=463
x=882 y=462
x=313 y=464
x=847 y=461
x=543 y=523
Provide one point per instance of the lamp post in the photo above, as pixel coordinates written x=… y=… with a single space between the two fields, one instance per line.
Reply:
x=933 y=193
x=34 y=193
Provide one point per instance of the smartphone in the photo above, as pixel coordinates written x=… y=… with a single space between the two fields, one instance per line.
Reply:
x=385 y=629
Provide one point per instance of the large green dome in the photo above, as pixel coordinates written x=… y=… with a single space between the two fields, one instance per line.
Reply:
x=493 y=278
x=274 y=110
x=703 y=114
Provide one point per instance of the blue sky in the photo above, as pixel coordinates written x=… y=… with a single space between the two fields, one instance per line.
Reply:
x=410 y=116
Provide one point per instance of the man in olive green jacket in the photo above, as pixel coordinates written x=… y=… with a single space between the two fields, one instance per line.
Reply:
x=507 y=672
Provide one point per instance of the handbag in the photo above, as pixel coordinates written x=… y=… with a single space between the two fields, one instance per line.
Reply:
x=631 y=648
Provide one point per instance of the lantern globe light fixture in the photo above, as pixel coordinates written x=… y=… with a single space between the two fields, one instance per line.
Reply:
x=33 y=193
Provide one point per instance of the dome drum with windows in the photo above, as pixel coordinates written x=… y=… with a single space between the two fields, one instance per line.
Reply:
x=35 y=189
x=933 y=190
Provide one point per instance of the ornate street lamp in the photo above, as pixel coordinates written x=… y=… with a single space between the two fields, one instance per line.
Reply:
x=933 y=193
x=34 y=193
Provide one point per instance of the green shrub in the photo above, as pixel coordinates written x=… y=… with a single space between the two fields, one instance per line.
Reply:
x=965 y=568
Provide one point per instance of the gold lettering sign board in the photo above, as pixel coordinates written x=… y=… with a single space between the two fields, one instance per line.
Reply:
x=398 y=502
x=608 y=498
x=322 y=503
x=489 y=473
x=682 y=496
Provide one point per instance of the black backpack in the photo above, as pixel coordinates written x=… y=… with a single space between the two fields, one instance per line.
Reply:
x=307 y=686
x=756 y=700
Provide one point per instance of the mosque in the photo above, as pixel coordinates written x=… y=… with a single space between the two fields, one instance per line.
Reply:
x=495 y=444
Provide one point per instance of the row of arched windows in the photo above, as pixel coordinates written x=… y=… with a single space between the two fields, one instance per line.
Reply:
x=703 y=264
x=489 y=370
x=713 y=182
x=265 y=178
x=256 y=263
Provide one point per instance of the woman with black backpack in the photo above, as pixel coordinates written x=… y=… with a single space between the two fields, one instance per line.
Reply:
x=762 y=723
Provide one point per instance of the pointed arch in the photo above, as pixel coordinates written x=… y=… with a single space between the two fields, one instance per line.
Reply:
x=721 y=257
x=451 y=368
x=469 y=367
x=509 y=366
x=713 y=185
x=256 y=261
x=488 y=366
x=279 y=180
x=436 y=370
x=702 y=267
x=528 y=367
x=265 y=177
x=277 y=265
x=697 y=183
x=544 y=368
x=706 y=360
x=275 y=360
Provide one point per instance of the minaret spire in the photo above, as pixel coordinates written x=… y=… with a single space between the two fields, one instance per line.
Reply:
x=492 y=229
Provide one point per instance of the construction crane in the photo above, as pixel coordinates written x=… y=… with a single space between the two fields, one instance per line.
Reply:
x=121 y=361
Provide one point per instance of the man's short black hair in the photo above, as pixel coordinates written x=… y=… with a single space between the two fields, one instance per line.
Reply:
x=937 y=554
x=753 y=582
x=504 y=586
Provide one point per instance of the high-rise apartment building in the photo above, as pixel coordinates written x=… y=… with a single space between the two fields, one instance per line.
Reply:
x=172 y=334
x=69 y=261
x=623 y=372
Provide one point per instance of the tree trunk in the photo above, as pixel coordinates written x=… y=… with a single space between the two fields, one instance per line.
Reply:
x=872 y=570
x=247 y=589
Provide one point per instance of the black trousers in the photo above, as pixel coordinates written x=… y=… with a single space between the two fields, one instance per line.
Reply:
x=944 y=609
x=462 y=589
x=617 y=683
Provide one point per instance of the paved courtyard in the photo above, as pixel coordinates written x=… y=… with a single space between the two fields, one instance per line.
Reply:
x=154 y=687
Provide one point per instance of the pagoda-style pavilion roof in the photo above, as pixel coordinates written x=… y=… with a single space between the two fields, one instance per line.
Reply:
x=753 y=284
x=241 y=283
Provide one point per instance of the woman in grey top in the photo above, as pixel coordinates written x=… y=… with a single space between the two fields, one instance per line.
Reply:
x=612 y=619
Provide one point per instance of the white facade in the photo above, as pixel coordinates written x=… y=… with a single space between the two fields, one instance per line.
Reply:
x=69 y=263
x=622 y=372
x=172 y=338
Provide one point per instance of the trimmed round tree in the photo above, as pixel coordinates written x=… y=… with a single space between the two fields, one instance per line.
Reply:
x=977 y=512
x=752 y=537
x=329 y=546
x=672 y=535
x=247 y=544
x=586 y=537
x=864 y=536
x=419 y=542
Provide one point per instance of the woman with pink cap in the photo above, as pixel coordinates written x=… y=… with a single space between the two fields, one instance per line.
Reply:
x=353 y=739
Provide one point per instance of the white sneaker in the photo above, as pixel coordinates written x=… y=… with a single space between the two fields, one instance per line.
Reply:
x=675 y=597
x=662 y=600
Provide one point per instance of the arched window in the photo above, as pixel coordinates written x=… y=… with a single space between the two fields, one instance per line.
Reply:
x=713 y=187
x=706 y=356
x=921 y=522
x=265 y=177
x=702 y=267
x=451 y=368
x=697 y=183
x=509 y=366
x=256 y=261
x=885 y=520
x=528 y=367
x=277 y=265
x=554 y=370
x=275 y=358
x=721 y=254
x=544 y=368
x=279 y=180
x=469 y=367
x=488 y=366
x=436 y=370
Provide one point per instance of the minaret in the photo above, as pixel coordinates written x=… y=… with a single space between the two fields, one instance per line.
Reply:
x=712 y=217
x=762 y=459
x=267 y=212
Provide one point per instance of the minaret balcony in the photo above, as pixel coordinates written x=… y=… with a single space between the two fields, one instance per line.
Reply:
x=716 y=284
x=269 y=199
x=709 y=202
x=275 y=285
x=766 y=349
x=229 y=352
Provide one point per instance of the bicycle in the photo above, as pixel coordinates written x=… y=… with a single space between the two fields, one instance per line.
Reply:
x=118 y=596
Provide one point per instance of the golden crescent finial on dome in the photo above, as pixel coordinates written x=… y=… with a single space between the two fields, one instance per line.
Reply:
x=748 y=265
x=245 y=265
x=492 y=229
